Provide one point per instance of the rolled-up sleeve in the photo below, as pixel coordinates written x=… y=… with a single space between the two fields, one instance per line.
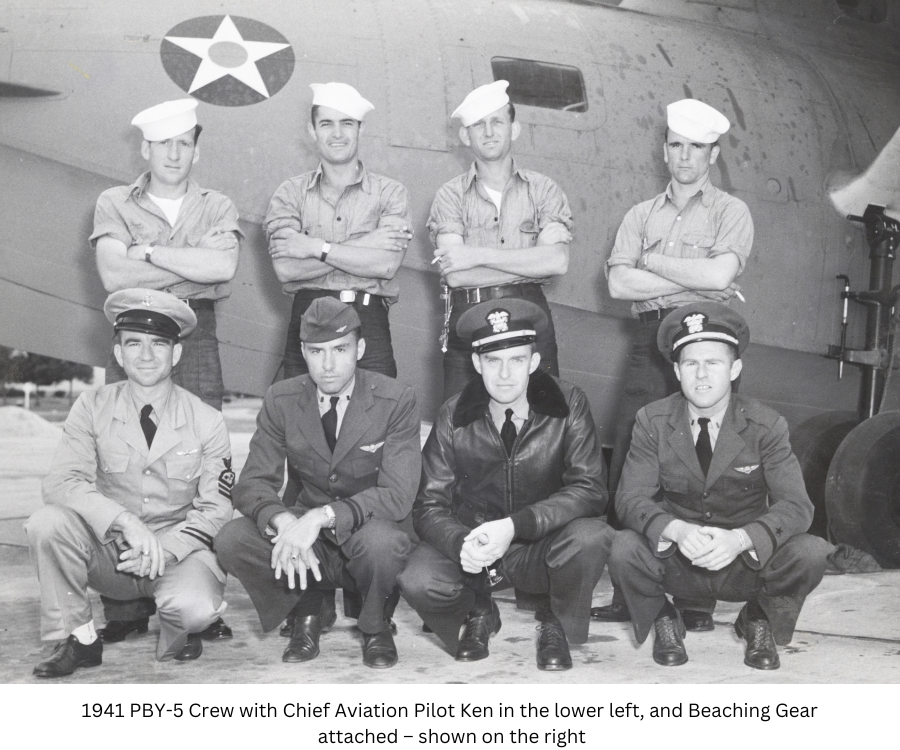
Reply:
x=284 y=210
x=446 y=215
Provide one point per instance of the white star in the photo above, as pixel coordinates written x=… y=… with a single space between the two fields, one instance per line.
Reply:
x=209 y=71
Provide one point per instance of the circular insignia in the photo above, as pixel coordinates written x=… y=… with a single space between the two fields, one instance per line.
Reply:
x=230 y=61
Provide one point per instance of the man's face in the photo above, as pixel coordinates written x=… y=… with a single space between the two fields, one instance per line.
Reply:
x=705 y=370
x=332 y=364
x=147 y=359
x=491 y=137
x=505 y=372
x=336 y=135
x=688 y=161
x=171 y=160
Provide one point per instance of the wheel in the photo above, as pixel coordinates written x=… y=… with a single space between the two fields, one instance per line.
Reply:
x=862 y=490
x=814 y=443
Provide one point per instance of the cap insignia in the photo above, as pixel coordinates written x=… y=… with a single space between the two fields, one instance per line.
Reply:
x=499 y=320
x=148 y=300
x=695 y=323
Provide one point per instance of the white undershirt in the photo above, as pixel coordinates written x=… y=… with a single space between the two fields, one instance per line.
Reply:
x=171 y=207
x=495 y=195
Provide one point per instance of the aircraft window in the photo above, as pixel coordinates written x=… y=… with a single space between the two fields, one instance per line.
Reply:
x=870 y=11
x=542 y=84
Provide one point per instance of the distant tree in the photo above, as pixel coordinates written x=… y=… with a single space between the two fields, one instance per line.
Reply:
x=43 y=371
x=12 y=364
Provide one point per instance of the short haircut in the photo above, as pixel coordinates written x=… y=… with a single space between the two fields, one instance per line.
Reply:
x=315 y=110
x=732 y=351
x=357 y=336
x=198 y=128
x=666 y=139
x=512 y=112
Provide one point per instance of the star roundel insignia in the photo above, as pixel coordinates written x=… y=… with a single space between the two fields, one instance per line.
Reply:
x=230 y=61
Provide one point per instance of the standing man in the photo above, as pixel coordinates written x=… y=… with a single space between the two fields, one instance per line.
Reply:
x=713 y=500
x=139 y=487
x=166 y=232
x=352 y=437
x=500 y=230
x=340 y=231
x=512 y=486
x=687 y=244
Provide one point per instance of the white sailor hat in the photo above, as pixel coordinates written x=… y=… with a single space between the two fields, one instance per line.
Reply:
x=167 y=120
x=482 y=101
x=150 y=311
x=342 y=97
x=696 y=121
x=501 y=324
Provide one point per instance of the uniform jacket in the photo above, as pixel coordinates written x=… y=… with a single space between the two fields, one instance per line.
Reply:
x=180 y=487
x=754 y=480
x=374 y=468
x=555 y=475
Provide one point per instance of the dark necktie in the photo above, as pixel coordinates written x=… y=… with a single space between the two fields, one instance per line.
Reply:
x=508 y=432
x=329 y=424
x=704 y=446
x=147 y=424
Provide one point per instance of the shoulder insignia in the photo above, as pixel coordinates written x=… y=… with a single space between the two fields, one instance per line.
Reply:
x=226 y=479
x=746 y=469
x=371 y=448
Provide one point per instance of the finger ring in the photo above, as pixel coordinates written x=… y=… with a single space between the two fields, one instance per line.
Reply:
x=145 y=554
x=293 y=557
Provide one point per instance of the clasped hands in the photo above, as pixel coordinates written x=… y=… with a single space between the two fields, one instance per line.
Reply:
x=142 y=552
x=485 y=544
x=705 y=546
x=392 y=234
x=292 y=551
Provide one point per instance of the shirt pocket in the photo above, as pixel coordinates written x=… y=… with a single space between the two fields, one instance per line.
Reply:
x=529 y=230
x=142 y=233
x=696 y=245
x=366 y=467
x=185 y=469
x=112 y=462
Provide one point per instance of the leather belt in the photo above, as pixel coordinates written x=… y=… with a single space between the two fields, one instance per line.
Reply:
x=651 y=316
x=344 y=295
x=201 y=304
x=482 y=293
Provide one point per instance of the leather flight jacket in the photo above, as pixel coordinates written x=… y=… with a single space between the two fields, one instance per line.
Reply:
x=556 y=472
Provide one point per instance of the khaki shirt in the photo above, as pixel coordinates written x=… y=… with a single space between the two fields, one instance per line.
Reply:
x=127 y=214
x=180 y=487
x=530 y=202
x=300 y=204
x=712 y=223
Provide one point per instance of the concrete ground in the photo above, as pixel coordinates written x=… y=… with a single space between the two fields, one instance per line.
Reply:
x=848 y=631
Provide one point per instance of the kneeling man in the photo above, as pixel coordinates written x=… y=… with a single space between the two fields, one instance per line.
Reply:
x=352 y=437
x=513 y=484
x=139 y=487
x=713 y=500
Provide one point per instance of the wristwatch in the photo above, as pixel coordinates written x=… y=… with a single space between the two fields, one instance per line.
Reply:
x=326 y=248
x=148 y=252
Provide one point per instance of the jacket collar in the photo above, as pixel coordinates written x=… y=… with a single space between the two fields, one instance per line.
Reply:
x=544 y=397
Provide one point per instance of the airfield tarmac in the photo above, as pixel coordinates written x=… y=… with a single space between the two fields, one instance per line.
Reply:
x=848 y=631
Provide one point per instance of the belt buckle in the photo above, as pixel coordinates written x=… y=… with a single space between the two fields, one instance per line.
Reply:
x=473 y=296
x=347 y=295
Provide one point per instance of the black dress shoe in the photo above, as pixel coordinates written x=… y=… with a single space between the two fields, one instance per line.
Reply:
x=68 y=656
x=379 y=651
x=615 y=612
x=304 y=645
x=329 y=617
x=192 y=649
x=697 y=621
x=552 y=647
x=668 y=647
x=760 y=652
x=116 y=630
x=473 y=646
x=218 y=631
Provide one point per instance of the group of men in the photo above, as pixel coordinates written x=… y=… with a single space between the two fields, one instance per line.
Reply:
x=511 y=487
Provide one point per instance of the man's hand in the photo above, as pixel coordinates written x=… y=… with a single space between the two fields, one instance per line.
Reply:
x=144 y=555
x=454 y=258
x=722 y=547
x=293 y=543
x=689 y=537
x=724 y=295
x=472 y=558
x=393 y=236
x=289 y=243
x=488 y=542
x=217 y=239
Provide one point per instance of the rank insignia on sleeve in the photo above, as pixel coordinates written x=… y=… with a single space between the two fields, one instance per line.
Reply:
x=226 y=479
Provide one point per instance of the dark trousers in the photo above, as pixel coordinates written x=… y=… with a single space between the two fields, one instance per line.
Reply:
x=376 y=330
x=563 y=567
x=780 y=586
x=458 y=367
x=367 y=563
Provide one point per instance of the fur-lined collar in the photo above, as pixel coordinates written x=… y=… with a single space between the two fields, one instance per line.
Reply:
x=544 y=397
